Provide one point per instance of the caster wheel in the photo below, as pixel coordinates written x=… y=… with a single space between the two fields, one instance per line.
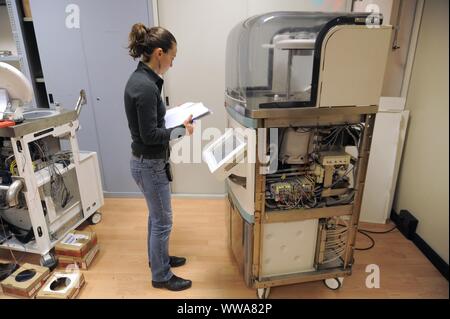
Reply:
x=333 y=283
x=49 y=260
x=96 y=218
x=263 y=293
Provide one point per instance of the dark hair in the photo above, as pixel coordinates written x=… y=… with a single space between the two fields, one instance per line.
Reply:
x=143 y=41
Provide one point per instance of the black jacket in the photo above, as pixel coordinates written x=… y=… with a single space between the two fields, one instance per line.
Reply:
x=145 y=112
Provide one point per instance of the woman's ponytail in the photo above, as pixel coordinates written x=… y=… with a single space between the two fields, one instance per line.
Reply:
x=142 y=40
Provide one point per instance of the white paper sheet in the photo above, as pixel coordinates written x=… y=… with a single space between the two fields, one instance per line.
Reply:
x=177 y=115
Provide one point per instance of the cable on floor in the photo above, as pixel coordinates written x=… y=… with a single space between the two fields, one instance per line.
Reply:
x=372 y=241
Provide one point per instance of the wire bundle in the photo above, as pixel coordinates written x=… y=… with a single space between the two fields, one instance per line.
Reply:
x=335 y=243
x=59 y=191
x=291 y=193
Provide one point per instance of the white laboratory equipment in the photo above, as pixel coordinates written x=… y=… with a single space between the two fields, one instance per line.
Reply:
x=47 y=185
x=302 y=94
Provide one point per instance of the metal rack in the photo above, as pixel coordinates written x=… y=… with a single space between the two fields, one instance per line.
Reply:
x=263 y=217
x=49 y=221
x=27 y=55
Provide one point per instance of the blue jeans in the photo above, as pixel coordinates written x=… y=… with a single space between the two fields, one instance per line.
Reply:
x=150 y=176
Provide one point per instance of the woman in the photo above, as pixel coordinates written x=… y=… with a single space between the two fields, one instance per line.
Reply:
x=145 y=110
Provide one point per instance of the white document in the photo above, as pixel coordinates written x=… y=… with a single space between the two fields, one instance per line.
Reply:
x=177 y=115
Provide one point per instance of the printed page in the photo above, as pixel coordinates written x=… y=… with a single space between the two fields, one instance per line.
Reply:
x=177 y=115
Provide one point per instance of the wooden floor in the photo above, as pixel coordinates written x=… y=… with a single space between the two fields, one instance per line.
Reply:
x=200 y=233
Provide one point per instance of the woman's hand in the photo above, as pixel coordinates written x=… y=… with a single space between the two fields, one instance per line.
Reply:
x=189 y=126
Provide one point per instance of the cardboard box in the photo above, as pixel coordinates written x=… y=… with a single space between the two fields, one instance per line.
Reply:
x=25 y=281
x=82 y=263
x=76 y=243
x=62 y=285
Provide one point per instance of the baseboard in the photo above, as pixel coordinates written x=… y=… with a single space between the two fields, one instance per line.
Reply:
x=199 y=196
x=429 y=252
x=122 y=195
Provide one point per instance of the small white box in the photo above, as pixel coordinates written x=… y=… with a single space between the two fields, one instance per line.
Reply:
x=334 y=158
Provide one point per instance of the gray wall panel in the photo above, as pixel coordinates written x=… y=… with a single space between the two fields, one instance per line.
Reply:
x=105 y=37
x=63 y=64
x=93 y=57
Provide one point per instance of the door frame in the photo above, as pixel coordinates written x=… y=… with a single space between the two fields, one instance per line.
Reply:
x=412 y=47
x=154 y=5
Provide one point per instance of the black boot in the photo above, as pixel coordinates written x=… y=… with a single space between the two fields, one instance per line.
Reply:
x=175 y=284
x=174 y=261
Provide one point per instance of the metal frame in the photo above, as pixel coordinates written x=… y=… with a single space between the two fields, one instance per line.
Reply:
x=412 y=47
x=271 y=118
x=65 y=127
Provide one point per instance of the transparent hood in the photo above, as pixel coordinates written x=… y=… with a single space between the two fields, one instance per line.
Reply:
x=270 y=58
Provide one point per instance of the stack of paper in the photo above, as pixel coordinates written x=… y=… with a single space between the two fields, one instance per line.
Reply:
x=177 y=115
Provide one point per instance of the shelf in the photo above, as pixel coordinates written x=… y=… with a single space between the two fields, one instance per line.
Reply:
x=279 y=216
x=14 y=244
x=10 y=58
x=43 y=175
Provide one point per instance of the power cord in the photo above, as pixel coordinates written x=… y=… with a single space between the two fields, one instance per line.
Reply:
x=7 y=269
x=378 y=232
x=372 y=241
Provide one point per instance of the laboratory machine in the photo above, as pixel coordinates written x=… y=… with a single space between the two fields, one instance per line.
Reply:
x=302 y=93
x=48 y=186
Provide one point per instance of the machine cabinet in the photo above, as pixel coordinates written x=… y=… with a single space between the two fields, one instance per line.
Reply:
x=276 y=246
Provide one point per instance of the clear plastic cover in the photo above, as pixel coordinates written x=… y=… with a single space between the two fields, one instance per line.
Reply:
x=270 y=57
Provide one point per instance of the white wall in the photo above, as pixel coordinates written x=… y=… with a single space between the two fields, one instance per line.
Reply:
x=423 y=182
x=201 y=28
